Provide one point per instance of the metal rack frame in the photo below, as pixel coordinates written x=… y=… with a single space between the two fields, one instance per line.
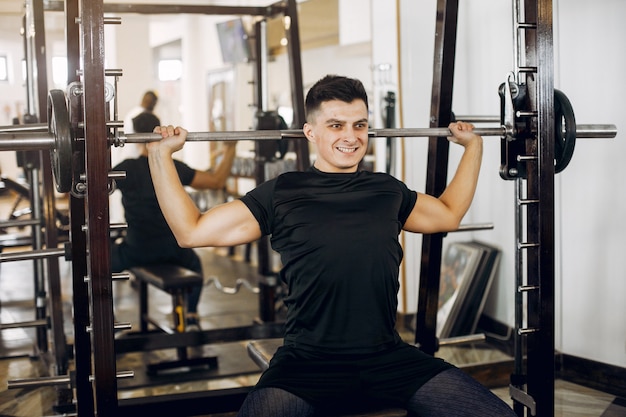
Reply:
x=532 y=384
x=96 y=375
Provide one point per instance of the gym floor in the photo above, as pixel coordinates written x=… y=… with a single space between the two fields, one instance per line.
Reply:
x=217 y=310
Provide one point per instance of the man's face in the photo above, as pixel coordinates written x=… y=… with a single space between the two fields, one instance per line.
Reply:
x=340 y=133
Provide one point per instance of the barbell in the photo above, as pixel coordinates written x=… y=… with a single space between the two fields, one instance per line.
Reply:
x=58 y=136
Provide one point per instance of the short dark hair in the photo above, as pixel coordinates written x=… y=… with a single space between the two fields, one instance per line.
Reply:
x=334 y=87
x=145 y=122
x=149 y=100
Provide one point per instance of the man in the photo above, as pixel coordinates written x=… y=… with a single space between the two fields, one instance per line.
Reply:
x=148 y=103
x=337 y=232
x=149 y=239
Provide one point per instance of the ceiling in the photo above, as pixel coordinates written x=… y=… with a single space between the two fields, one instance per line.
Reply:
x=16 y=7
x=320 y=28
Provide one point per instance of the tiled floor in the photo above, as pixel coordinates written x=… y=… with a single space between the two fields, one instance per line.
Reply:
x=218 y=310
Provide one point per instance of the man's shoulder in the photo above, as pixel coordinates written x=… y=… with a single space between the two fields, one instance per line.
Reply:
x=138 y=166
x=284 y=180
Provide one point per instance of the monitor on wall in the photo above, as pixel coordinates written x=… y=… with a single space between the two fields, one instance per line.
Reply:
x=234 y=41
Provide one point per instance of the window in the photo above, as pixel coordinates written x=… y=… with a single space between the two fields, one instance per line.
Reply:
x=168 y=62
x=170 y=69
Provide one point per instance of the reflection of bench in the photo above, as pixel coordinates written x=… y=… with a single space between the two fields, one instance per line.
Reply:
x=13 y=240
x=261 y=351
x=177 y=282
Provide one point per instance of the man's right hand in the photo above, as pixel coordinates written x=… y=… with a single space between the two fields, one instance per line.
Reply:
x=173 y=139
x=463 y=133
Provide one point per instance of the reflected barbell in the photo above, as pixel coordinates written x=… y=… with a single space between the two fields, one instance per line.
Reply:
x=36 y=254
x=59 y=138
x=60 y=380
x=25 y=324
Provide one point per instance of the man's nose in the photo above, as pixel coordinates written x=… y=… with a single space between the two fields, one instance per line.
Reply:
x=350 y=134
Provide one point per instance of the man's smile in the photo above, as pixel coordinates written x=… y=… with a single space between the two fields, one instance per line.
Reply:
x=346 y=150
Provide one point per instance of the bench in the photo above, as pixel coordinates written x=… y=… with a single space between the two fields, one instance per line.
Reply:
x=261 y=351
x=178 y=282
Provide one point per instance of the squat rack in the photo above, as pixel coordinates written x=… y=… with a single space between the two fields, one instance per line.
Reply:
x=96 y=384
x=532 y=382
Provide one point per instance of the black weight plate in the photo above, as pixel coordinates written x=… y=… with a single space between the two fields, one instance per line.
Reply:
x=59 y=127
x=564 y=143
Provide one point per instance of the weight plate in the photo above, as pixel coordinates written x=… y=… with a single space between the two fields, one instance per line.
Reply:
x=59 y=128
x=564 y=143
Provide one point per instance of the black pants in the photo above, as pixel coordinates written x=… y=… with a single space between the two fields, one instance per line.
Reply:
x=391 y=376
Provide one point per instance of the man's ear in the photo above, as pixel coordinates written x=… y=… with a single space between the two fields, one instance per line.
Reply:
x=308 y=132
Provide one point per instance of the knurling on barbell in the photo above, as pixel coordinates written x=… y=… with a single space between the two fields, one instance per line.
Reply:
x=60 y=138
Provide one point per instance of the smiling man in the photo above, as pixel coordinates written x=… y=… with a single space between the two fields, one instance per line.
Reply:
x=336 y=229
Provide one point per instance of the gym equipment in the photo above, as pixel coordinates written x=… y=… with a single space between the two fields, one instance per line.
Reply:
x=177 y=282
x=514 y=98
x=565 y=139
x=63 y=380
x=241 y=282
x=49 y=335
x=60 y=138
x=34 y=254
x=59 y=127
x=174 y=280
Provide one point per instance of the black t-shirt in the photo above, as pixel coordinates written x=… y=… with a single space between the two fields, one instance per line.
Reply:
x=337 y=235
x=141 y=208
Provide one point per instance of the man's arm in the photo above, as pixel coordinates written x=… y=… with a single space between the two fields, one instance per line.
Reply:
x=228 y=224
x=444 y=214
x=216 y=179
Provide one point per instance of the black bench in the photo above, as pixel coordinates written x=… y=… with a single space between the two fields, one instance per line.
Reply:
x=261 y=351
x=177 y=282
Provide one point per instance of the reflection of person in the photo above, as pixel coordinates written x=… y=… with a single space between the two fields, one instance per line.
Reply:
x=148 y=239
x=148 y=103
x=337 y=230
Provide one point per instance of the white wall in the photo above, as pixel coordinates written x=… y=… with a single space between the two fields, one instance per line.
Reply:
x=591 y=62
x=590 y=282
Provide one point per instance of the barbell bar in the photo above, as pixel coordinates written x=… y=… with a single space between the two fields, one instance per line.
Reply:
x=32 y=127
x=37 y=137
x=59 y=138
x=23 y=141
x=586 y=131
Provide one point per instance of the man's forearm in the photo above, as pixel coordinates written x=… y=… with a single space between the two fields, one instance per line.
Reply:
x=176 y=205
x=460 y=191
x=223 y=169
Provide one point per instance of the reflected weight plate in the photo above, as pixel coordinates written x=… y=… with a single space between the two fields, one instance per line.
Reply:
x=59 y=128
